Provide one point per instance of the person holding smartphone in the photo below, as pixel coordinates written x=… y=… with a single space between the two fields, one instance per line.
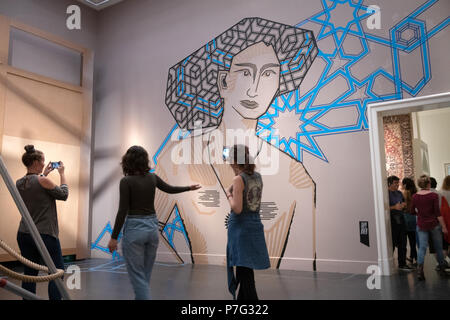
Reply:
x=39 y=194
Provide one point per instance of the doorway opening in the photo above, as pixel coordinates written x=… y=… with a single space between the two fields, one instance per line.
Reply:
x=375 y=114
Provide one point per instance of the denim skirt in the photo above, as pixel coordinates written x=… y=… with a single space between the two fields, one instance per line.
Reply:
x=246 y=245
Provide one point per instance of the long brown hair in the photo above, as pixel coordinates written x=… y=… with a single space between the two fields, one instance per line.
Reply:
x=31 y=155
x=410 y=189
x=241 y=157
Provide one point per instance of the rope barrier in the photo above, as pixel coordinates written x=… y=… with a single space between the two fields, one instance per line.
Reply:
x=28 y=263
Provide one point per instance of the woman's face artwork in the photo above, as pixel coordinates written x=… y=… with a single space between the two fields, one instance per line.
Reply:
x=252 y=81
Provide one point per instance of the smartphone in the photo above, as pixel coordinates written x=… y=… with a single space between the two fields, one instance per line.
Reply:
x=226 y=154
x=55 y=165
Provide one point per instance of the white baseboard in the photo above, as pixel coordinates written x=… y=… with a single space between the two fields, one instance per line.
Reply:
x=344 y=266
x=296 y=264
x=213 y=259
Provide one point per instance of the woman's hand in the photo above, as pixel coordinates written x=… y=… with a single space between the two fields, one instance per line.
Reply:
x=195 y=187
x=61 y=168
x=48 y=169
x=112 y=245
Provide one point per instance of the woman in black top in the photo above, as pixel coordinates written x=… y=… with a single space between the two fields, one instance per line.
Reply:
x=39 y=194
x=140 y=228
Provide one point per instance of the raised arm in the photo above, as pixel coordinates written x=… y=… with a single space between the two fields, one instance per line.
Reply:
x=58 y=192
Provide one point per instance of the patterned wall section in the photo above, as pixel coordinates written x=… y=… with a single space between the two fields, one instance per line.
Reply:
x=398 y=146
x=330 y=70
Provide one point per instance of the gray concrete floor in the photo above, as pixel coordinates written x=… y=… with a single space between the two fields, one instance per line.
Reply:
x=108 y=280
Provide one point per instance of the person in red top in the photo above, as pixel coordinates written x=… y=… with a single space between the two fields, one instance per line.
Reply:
x=445 y=207
x=425 y=204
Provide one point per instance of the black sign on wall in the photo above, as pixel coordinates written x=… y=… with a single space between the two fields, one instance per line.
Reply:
x=364 y=232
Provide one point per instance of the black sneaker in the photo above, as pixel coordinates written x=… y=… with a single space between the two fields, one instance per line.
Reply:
x=442 y=267
x=405 y=268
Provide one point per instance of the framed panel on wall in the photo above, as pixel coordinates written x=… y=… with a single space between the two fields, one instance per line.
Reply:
x=447 y=169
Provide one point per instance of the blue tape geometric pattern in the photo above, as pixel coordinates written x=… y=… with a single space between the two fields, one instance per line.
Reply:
x=407 y=36
x=192 y=93
x=97 y=246
x=173 y=226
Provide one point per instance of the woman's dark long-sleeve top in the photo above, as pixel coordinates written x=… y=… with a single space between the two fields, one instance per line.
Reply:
x=137 y=197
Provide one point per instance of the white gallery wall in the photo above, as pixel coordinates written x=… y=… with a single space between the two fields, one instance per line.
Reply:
x=136 y=42
x=140 y=40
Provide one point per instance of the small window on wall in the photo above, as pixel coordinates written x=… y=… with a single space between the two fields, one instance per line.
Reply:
x=38 y=55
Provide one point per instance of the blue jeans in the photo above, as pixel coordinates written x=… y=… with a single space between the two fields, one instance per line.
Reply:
x=139 y=244
x=436 y=237
x=29 y=250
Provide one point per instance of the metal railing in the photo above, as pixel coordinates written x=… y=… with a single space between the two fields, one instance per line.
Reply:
x=11 y=287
